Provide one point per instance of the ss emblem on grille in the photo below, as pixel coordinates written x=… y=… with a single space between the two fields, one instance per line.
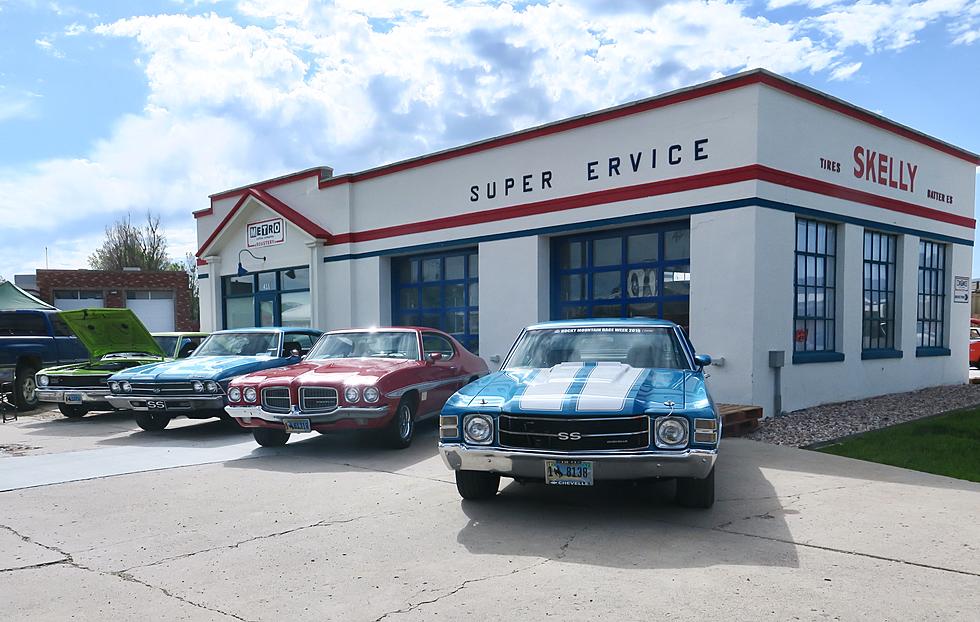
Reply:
x=569 y=436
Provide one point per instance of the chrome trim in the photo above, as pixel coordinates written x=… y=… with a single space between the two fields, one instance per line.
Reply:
x=687 y=432
x=529 y=464
x=58 y=395
x=303 y=399
x=255 y=412
x=264 y=399
x=493 y=428
x=197 y=402
x=428 y=386
x=649 y=432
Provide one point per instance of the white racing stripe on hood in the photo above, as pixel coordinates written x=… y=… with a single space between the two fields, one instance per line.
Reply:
x=546 y=390
x=608 y=386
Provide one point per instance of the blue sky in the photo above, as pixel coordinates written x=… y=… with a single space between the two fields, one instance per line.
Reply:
x=116 y=107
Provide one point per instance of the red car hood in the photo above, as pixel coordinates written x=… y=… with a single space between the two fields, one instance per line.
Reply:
x=330 y=371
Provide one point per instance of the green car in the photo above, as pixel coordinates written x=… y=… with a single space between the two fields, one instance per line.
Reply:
x=178 y=345
x=116 y=340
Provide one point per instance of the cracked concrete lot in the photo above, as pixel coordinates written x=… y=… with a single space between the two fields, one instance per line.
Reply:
x=99 y=521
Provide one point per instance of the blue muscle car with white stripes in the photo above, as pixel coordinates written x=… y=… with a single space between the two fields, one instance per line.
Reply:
x=578 y=401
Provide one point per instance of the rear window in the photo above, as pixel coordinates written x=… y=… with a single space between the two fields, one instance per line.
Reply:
x=23 y=325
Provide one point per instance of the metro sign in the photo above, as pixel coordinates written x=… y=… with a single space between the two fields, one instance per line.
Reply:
x=266 y=232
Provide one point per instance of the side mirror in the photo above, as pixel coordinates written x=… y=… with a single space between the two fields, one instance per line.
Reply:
x=294 y=353
x=702 y=360
x=434 y=357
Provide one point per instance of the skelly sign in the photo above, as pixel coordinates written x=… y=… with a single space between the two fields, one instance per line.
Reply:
x=267 y=232
x=622 y=165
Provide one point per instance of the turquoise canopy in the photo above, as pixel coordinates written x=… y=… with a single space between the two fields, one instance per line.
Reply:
x=13 y=298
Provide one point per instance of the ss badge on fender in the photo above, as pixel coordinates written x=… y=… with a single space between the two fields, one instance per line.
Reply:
x=569 y=436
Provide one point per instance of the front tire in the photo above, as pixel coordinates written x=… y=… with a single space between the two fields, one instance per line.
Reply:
x=270 y=437
x=696 y=493
x=477 y=485
x=152 y=422
x=401 y=429
x=25 y=389
x=72 y=411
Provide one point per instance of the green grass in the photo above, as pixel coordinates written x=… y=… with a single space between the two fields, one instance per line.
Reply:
x=945 y=445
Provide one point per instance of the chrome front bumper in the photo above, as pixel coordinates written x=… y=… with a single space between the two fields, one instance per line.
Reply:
x=175 y=403
x=247 y=413
x=89 y=396
x=529 y=464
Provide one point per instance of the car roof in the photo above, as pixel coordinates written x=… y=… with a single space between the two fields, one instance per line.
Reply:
x=382 y=329
x=180 y=333
x=268 y=329
x=588 y=322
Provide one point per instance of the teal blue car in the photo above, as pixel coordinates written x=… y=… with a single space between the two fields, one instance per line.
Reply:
x=196 y=387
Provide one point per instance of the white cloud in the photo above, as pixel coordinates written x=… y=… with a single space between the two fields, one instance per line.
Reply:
x=47 y=45
x=16 y=104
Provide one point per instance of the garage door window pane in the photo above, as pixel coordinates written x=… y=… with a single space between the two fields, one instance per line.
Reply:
x=474 y=294
x=677 y=312
x=431 y=297
x=474 y=322
x=572 y=287
x=455 y=267
x=574 y=313
x=643 y=248
x=607 y=311
x=642 y=283
x=608 y=252
x=606 y=285
x=408 y=271
x=455 y=295
x=295 y=309
x=161 y=295
x=677 y=281
x=409 y=298
x=455 y=322
x=572 y=256
x=677 y=244
x=240 y=312
x=432 y=269
x=647 y=309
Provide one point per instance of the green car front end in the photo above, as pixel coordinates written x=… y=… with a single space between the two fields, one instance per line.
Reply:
x=116 y=340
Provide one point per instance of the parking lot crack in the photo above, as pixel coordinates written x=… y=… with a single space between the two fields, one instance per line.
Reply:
x=125 y=576
x=65 y=557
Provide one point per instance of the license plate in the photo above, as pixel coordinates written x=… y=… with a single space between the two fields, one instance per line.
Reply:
x=73 y=398
x=297 y=425
x=156 y=405
x=568 y=472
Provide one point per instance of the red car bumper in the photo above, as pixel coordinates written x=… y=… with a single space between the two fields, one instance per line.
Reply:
x=344 y=418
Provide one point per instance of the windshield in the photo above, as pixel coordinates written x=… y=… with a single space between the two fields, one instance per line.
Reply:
x=239 y=344
x=641 y=347
x=397 y=345
x=167 y=344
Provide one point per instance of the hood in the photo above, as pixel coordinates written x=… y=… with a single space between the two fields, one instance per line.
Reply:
x=202 y=368
x=580 y=388
x=109 y=331
x=104 y=367
x=329 y=371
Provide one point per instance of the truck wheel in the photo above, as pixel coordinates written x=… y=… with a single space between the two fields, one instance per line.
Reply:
x=696 y=493
x=72 y=411
x=25 y=388
x=152 y=422
x=475 y=485
x=270 y=437
x=401 y=428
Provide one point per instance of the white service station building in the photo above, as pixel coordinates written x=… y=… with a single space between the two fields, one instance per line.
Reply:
x=796 y=237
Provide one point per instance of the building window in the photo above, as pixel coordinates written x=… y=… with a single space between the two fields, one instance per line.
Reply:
x=639 y=272
x=78 y=294
x=439 y=291
x=270 y=298
x=878 y=333
x=815 y=315
x=931 y=308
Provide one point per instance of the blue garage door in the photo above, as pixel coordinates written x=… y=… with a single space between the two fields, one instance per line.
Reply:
x=635 y=272
x=439 y=291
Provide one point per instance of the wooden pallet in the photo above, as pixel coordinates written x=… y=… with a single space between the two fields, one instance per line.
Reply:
x=738 y=420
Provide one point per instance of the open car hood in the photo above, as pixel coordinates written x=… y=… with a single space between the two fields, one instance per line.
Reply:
x=110 y=331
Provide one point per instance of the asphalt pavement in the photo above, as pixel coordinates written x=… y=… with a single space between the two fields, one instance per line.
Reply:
x=100 y=521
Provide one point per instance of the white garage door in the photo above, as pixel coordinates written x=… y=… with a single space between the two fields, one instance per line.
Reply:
x=155 y=309
x=71 y=299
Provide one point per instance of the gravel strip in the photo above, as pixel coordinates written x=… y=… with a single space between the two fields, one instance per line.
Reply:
x=830 y=421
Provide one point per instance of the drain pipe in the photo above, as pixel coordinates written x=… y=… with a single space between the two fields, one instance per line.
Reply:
x=777 y=358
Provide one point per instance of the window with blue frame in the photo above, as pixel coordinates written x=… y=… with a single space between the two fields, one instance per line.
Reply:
x=439 y=290
x=931 y=313
x=878 y=333
x=814 y=316
x=269 y=298
x=636 y=272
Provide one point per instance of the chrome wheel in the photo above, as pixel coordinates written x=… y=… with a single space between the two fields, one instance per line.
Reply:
x=28 y=389
x=404 y=421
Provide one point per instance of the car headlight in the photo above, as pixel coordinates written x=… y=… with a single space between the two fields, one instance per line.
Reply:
x=249 y=394
x=211 y=386
x=371 y=394
x=235 y=394
x=671 y=432
x=42 y=381
x=198 y=386
x=126 y=387
x=351 y=394
x=114 y=387
x=478 y=429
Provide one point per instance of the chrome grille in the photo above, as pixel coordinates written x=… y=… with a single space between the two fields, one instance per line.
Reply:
x=163 y=388
x=276 y=399
x=317 y=399
x=559 y=433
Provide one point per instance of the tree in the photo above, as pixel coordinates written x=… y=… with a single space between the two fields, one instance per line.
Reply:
x=189 y=265
x=132 y=246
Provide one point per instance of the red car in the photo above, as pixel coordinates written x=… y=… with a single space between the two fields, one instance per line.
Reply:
x=383 y=379
x=974 y=345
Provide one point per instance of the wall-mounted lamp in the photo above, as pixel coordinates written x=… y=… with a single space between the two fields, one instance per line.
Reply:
x=241 y=269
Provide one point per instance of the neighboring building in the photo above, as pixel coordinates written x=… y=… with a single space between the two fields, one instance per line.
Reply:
x=27 y=282
x=764 y=216
x=161 y=300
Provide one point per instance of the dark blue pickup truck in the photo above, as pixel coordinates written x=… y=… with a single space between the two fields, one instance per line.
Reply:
x=29 y=341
